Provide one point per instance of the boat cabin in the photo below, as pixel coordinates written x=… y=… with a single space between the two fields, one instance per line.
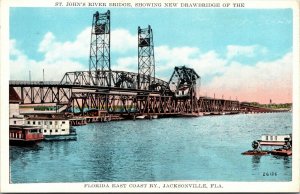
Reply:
x=277 y=138
x=25 y=133
x=49 y=126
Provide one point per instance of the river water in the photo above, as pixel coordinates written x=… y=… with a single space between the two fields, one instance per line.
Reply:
x=201 y=148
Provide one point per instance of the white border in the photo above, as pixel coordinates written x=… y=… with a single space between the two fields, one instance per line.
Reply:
x=292 y=186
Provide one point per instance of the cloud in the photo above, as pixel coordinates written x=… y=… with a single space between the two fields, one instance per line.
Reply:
x=246 y=51
x=20 y=65
x=47 y=44
x=12 y=48
x=55 y=50
x=207 y=63
x=167 y=58
x=122 y=41
x=260 y=82
x=126 y=64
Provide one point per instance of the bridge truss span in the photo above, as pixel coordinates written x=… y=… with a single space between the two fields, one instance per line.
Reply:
x=218 y=106
x=119 y=79
x=122 y=101
x=42 y=94
x=133 y=103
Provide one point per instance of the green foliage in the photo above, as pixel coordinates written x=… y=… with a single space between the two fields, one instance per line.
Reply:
x=45 y=108
x=273 y=106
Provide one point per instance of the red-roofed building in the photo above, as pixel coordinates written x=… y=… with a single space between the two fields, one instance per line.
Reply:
x=13 y=96
x=14 y=108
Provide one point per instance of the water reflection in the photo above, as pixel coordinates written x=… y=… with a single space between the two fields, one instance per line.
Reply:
x=256 y=162
x=286 y=160
x=99 y=157
x=23 y=151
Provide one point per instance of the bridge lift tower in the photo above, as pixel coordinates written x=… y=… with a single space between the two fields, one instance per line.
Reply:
x=146 y=62
x=99 y=61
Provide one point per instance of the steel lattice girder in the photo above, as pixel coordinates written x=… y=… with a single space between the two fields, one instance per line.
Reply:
x=184 y=80
x=145 y=104
x=100 y=46
x=43 y=94
x=119 y=79
x=146 y=61
x=218 y=105
x=155 y=103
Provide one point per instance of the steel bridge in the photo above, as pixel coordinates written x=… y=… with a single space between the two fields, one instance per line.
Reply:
x=124 y=92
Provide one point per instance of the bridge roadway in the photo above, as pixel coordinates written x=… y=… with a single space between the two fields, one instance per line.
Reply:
x=78 y=86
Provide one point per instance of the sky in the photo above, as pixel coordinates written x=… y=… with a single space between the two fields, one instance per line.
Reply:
x=243 y=54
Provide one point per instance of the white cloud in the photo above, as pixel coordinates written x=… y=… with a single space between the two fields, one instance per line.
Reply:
x=12 y=48
x=261 y=82
x=47 y=43
x=20 y=65
x=122 y=40
x=208 y=63
x=55 y=50
x=127 y=64
x=246 y=51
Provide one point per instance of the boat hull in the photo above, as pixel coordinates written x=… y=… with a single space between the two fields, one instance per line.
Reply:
x=255 y=153
x=60 y=137
x=281 y=152
x=140 y=117
x=18 y=142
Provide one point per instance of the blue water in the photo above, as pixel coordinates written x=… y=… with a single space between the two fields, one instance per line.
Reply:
x=202 y=148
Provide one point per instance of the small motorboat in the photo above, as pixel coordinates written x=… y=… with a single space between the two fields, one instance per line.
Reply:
x=284 y=141
x=140 y=117
x=154 y=116
x=281 y=152
x=255 y=153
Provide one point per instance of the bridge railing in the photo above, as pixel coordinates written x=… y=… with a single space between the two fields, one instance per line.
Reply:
x=22 y=82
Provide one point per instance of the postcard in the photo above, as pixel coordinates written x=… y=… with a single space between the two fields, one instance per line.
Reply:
x=150 y=96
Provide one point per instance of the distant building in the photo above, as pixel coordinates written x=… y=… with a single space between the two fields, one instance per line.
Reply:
x=54 y=126
x=14 y=108
x=50 y=126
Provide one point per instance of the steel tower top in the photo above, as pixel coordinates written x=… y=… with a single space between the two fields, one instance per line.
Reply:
x=100 y=46
x=146 y=62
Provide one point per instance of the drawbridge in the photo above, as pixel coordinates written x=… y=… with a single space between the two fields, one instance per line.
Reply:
x=124 y=92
